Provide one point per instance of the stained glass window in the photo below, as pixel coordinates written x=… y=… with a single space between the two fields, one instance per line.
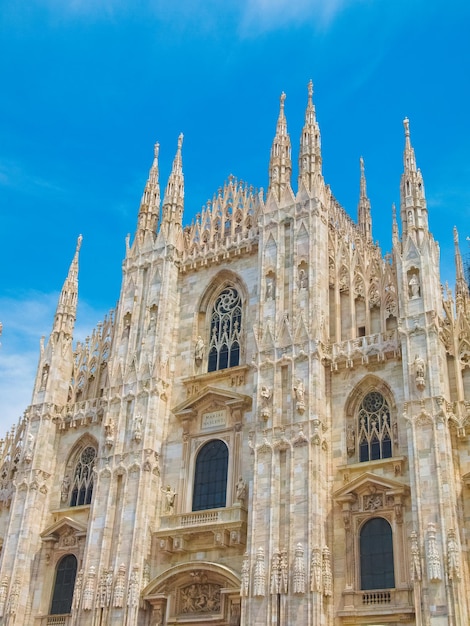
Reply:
x=210 y=476
x=82 y=485
x=226 y=319
x=375 y=436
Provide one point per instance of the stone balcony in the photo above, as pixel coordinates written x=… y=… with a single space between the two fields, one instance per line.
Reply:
x=381 y=603
x=363 y=350
x=189 y=532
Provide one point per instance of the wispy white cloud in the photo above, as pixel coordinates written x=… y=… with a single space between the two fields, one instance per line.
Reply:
x=17 y=176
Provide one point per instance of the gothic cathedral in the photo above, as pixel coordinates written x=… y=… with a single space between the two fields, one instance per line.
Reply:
x=272 y=427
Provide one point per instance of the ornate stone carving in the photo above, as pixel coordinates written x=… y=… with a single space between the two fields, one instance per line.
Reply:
x=120 y=586
x=350 y=440
x=241 y=490
x=299 y=392
x=68 y=539
x=298 y=577
x=434 y=560
x=14 y=597
x=259 y=578
x=275 y=582
x=77 y=591
x=453 y=558
x=200 y=598
x=419 y=371
x=28 y=451
x=415 y=561
x=170 y=496
x=316 y=570
x=3 y=593
x=245 y=577
x=137 y=427
x=199 y=351
x=284 y=572
x=133 y=589
x=326 y=573
x=89 y=591
x=414 y=287
x=65 y=489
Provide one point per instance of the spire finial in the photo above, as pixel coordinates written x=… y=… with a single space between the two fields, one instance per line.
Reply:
x=363 y=210
x=461 y=287
x=310 y=89
x=180 y=141
x=406 y=124
x=156 y=150
x=79 y=244
x=283 y=99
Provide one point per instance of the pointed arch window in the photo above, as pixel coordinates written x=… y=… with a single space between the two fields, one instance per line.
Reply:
x=210 y=476
x=82 y=484
x=62 y=595
x=376 y=548
x=374 y=428
x=225 y=329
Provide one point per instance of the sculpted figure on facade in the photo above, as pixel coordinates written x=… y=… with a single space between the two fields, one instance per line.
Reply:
x=137 y=427
x=28 y=451
x=241 y=490
x=350 y=440
x=109 y=432
x=414 y=286
x=14 y=597
x=199 y=350
x=65 y=489
x=133 y=589
x=170 y=497
x=420 y=371
x=270 y=287
x=299 y=391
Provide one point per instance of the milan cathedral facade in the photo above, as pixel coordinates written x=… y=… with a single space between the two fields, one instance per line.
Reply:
x=271 y=428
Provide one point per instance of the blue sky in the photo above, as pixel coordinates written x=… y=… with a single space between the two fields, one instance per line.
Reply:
x=88 y=86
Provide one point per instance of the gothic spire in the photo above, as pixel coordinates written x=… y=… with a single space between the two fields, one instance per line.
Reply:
x=150 y=202
x=395 y=235
x=173 y=202
x=310 y=152
x=461 y=287
x=414 y=214
x=364 y=218
x=66 y=311
x=280 y=164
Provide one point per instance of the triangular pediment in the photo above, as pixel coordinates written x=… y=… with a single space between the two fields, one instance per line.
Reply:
x=369 y=483
x=63 y=526
x=211 y=397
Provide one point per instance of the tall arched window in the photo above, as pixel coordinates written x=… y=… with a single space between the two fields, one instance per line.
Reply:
x=63 y=586
x=226 y=320
x=82 y=484
x=376 y=543
x=210 y=476
x=375 y=436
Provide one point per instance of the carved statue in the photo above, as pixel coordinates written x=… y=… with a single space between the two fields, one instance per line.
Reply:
x=284 y=572
x=89 y=591
x=199 y=350
x=420 y=371
x=3 y=593
x=28 y=451
x=350 y=440
x=299 y=391
x=137 y=427
x=414 y=286
x=269 y=288
x=170 y=496
x=65 y=488
x=303 y=280
x=241 y=490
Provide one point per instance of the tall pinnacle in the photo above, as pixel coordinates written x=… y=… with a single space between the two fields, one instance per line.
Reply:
x=280 y=164
x=363 y=209
x=413 y=210
x=66 y=311
x=150 y=202
x=310 y=151
x=461 y=287
x=173 y=201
